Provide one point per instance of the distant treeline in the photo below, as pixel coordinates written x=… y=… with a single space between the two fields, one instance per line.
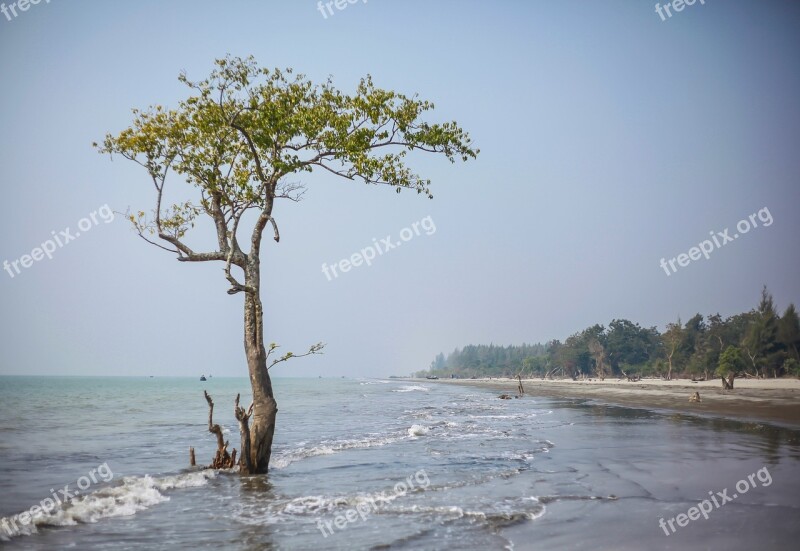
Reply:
x=759 y=343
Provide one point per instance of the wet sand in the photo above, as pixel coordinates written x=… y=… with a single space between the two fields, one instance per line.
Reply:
x=766 y=400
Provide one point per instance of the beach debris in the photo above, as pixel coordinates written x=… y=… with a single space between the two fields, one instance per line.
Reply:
x=192 y=462
x=521 y=390
x=632 y=378
x=695 y=397
x=504 y=397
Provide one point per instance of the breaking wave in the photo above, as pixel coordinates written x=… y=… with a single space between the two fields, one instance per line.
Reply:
x=134 y=494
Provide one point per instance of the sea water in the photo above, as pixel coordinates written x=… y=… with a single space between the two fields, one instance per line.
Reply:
x=380 y=464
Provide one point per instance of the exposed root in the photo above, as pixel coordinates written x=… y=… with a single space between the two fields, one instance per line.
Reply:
x=222 y=459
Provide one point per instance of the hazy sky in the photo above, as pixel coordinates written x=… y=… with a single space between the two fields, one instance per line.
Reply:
x=609 y=139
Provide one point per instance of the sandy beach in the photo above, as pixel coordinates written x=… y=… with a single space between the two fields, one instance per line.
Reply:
x=765 y=400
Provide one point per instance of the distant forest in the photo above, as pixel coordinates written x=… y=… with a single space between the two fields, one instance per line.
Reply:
x=758 y=343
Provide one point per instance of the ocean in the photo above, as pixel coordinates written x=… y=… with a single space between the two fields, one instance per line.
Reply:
x=383 y=464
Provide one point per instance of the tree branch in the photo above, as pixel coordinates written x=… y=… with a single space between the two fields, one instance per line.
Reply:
x=314 y=349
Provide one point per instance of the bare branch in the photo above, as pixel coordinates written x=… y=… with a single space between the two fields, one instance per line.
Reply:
x=292 y=191
x=275 y=227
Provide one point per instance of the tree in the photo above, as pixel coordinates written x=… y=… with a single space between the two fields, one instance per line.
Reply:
x=694 y=343
x=567 y=355
x=438 y=363
x=713 y=343
x=673 y=338
x=628 y=344
x=731 y=363
x=792 y=367
x=761 y=339
x=535 y=365
x=237 y=140
x=593 y=341
x=789 y=332
x=598 y=353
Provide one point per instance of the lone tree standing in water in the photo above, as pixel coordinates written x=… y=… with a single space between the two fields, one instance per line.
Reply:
x=237 y=139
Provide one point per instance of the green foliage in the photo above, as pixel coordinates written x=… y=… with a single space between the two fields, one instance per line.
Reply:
x=628 y=343
x=697 y=347
x=730 y=361
x=761 y=339
x=792 y=367
x=789 y=333
x=244 y=128
x=483 y=360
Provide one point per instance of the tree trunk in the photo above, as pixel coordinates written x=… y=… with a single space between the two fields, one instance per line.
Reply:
x=265 y=408
x=753 y=361
x=728 y=385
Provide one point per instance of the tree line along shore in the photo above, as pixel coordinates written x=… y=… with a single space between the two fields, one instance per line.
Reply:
x=760 y=343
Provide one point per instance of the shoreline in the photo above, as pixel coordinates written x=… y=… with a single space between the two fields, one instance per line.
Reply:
x=774 y=401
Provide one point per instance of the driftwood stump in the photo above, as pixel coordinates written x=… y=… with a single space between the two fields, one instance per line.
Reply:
x=728 y=385
x=244 y=429
x=695 y=397
x=222 y=459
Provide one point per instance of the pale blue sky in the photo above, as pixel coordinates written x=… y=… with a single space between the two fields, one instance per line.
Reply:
x=609 y=139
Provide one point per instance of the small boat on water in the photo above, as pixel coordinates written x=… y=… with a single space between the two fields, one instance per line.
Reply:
x=202 y=377
x=432 y=377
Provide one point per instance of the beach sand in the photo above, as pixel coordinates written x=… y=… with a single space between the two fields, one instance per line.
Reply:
x=765 y=400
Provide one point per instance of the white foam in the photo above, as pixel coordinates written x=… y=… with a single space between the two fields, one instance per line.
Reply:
x=258 y=513
x=133 y=495
x=418 y=430
x=527 y=508
x=411 y=388
x=283 y=459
